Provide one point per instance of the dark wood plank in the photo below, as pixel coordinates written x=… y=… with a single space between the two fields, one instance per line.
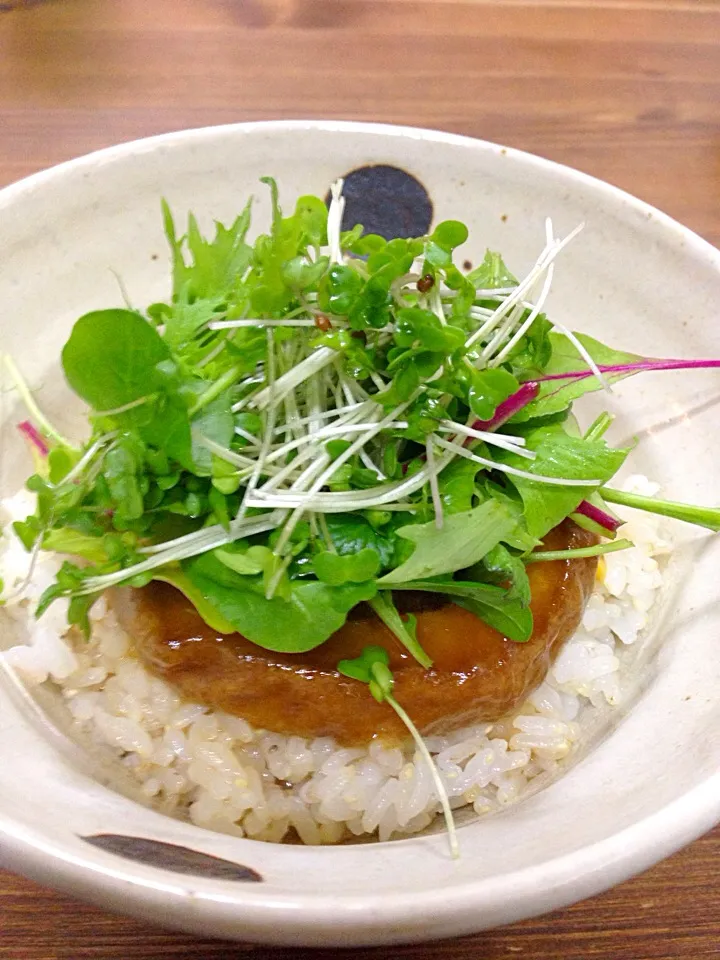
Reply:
x=628 y=90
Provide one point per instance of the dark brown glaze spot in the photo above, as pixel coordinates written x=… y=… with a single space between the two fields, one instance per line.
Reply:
x=169 y=856
x=386 y=200
x=504 y=217
x=467 y=265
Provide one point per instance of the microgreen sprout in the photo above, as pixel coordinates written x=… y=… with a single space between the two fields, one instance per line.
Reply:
x=404 y=630
x=708 y=517
x=597 y=550
x=372 y=667
x=26 y=395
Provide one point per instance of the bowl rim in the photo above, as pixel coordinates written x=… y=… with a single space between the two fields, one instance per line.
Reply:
x=514 y=894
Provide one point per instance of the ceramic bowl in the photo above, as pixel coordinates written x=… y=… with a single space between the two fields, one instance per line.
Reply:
x=651 y=784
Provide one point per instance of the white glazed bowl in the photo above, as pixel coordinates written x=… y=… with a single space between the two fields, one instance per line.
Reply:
x=634 y=278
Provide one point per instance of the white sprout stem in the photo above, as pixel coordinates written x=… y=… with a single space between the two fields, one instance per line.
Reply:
x=293 y=378
x=433 y=478
x=552 y=250
x=20 y=588
x=383 y=495
x=511 y=444
x=315 y=404
x=230 y=456
x=277 y=577
x=327 y=474
x=334 y=221
x=569 y=335
x=436 y=305
x=269 y=429
x=86 y=458
x=324 y=433
x=250 y=437
x=325 y=415
x=29 y=401
x=534 y=313
x=482 y=293
x=504 y=468
x=181 y=549
x=542 y=264
x=141 y=401
x=434 y=773
x=288 y=470
x=240 y=404
x=501 y=334
x=397 y=285
x=215 y=352
x=257 y=322
x=377 y=380
x=365 y=457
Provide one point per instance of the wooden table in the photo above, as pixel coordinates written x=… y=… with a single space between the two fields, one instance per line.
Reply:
x=628 y=90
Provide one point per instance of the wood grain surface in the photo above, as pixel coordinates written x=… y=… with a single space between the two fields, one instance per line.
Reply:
x=628 y=90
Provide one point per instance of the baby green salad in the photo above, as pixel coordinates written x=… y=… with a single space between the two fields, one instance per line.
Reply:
x=321 y=418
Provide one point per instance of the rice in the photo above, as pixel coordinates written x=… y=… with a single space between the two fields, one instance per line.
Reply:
x=224 y=775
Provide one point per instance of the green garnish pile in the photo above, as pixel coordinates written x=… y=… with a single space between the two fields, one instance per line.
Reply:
x=311 y=421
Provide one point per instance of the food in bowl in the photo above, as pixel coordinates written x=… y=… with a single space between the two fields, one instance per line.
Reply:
x=334 y=466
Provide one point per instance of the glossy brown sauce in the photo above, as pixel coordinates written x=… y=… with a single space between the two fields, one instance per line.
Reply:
x=477 y=673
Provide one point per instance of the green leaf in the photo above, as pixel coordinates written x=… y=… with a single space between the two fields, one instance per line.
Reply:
x=214 y=422
x=556 y=395
x=449 y=234
x=404 y=630
x=61 y=460
x=343 y=288
x=463 y=540
x=111 y=358
x=492 y=273
x=311 y=215
x=247 y=562
x=414 y=325
x=302 y=274
x=215 y=264
x=512 y=619
x=501 y=567
x=333 y=569
x=494 y=606
x=352 y=532
x=78 y=612
x=27 y=531
x=363 y=668
x=169 y=429
x=122 y=468
x=488 y=389
x=184 y=319
x=75 y=543
x=457 y=485
x=207 y=610
x=311 y=614
x=563 y=456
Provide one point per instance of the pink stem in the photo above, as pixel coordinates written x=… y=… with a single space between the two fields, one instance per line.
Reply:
x=634 y=368
x=508 y=408
x=598 y=516
x=34 y=436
